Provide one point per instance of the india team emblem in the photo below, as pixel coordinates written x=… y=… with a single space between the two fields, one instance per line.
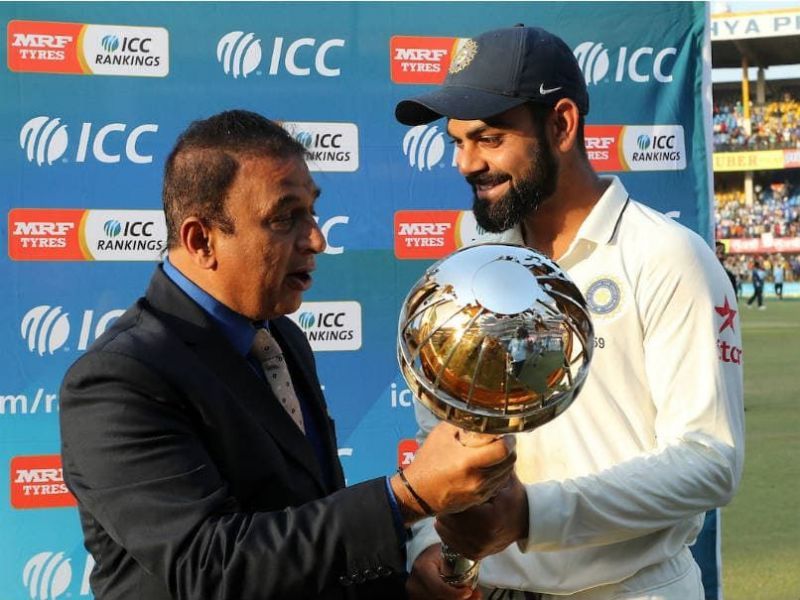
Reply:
x=603 y=297
x=463 y=57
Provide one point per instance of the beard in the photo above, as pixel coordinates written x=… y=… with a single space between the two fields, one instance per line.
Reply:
x=523 y=197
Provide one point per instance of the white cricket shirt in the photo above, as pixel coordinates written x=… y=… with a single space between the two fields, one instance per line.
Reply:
x=620 y=481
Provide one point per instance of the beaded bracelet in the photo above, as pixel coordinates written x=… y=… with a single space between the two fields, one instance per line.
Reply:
x=423 y=505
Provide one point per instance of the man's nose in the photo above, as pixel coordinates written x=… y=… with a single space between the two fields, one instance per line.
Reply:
x=469 y=161
x=313 y=239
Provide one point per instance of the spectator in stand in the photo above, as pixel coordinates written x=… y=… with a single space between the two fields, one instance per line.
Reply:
x=772 y=126
x=776 y=211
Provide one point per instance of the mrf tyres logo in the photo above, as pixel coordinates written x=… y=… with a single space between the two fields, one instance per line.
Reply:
x=242 y=54
x=38 y=482
x=49 y=47
x=421 y=60
x=427 y=234
x=48 y=576
x=46 y=139
x=639 y=65
x=331 y=147
x=330 y=325
x=47 y=329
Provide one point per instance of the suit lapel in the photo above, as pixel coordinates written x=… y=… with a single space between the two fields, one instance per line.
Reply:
x=195 y=327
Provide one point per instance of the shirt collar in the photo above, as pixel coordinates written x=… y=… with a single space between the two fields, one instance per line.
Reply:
x=598 y=227
x=237 y=328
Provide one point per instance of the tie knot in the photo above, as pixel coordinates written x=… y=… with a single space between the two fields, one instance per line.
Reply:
x=265 y=347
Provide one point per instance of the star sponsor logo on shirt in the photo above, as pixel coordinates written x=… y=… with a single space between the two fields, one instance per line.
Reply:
x=726 y=351
x=728 y=315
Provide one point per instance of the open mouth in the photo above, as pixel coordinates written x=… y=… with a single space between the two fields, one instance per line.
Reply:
x=300 y=280
x=490 y=187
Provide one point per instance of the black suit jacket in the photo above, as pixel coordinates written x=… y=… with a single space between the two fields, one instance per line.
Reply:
x=193 y=482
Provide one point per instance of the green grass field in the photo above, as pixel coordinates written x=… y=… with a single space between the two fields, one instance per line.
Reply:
x=761 y=527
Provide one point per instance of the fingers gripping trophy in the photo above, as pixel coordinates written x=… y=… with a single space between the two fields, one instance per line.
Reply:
x=494 y=339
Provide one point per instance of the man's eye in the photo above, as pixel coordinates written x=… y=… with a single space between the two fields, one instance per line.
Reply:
x=490 y=140
x=281 y=223
x=286 y=223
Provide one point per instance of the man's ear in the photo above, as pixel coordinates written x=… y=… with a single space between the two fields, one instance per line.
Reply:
x=565 y=123
x=197 y=239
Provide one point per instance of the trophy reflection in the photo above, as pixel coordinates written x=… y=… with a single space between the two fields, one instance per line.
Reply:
x=495 y=339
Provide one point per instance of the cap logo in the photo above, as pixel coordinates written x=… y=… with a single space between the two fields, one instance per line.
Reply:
x=543 y=91
x=464 y=56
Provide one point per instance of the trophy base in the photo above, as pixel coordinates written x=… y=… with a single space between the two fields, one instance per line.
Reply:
x=458 y=570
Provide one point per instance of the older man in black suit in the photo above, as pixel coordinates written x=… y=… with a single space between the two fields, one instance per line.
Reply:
x=194 y=432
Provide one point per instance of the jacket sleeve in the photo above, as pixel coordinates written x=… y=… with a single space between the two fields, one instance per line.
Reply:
x=135 y=461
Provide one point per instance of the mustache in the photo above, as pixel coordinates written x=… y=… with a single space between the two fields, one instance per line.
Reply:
x=487 y=179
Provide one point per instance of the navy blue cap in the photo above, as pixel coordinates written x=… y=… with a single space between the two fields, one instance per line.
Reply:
x=497 y=71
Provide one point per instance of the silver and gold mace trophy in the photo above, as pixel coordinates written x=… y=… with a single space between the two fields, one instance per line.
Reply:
x=495 y=339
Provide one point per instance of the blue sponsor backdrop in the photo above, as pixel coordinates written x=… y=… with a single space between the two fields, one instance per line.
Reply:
x=338 y=70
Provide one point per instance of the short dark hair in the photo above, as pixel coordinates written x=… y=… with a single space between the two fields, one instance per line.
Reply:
x=204 y=162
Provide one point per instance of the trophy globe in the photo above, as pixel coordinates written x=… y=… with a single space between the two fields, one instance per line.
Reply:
x=495 y=338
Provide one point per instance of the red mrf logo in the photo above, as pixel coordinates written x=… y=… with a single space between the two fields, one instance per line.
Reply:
x=38 y=482
x=43 y=47
x=420 y=59
x=603 y=147
x=406 y=450
x=45 y=234
x=425 y=233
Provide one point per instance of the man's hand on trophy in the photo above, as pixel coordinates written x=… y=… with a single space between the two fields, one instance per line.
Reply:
x=425 y=581
x=449 y=476
x=490 y=527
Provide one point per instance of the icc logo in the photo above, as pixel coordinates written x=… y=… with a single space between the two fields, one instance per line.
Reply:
x=110 y=43
x=46 y=329
x=239 y=53
x=307 y=320
x=424 y=146
x=45 y=140
x=594 y=62
x=47 y=575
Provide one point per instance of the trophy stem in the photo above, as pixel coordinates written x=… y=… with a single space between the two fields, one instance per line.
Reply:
x=458 y=570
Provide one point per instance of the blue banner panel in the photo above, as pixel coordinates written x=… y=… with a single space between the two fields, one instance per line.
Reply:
x=94 y=96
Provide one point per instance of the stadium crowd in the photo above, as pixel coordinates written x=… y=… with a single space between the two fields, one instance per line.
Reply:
x=775 y=211
x=775 y=125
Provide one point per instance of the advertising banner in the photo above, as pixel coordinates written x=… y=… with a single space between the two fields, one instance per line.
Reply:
x=94 y=97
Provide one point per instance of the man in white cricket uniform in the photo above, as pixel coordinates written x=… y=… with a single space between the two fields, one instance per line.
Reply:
x=610 y=494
